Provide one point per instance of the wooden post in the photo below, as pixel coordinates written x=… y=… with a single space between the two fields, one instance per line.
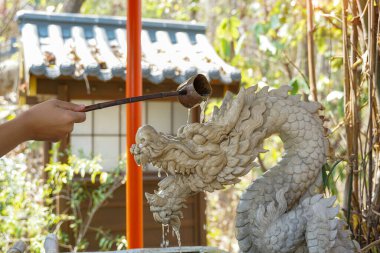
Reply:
x=63 y=94
x=134 y=88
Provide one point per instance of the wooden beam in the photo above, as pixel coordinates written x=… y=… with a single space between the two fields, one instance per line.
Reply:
x=115 y=89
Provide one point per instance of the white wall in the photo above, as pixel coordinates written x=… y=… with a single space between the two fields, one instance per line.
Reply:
x=104 y=130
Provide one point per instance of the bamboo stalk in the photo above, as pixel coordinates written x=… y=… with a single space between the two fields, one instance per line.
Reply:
x=354 y=119
x=310 y=50
x=372 y=40
x=347 y=101
x=363 y=15
x=371 y=74
x=377 y=61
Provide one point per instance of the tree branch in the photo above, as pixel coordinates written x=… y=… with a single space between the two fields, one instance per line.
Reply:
x=72 y=6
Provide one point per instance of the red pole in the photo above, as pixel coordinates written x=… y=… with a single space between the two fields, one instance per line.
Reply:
x=134 y=88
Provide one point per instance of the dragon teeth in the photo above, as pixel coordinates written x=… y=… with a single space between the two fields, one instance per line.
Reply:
x=171 y=167
x=179 y=169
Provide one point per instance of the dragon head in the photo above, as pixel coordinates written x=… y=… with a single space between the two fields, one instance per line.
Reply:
x=202 y=156
x=192 y=153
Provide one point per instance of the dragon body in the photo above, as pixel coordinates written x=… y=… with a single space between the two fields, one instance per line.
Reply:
x=281 y=211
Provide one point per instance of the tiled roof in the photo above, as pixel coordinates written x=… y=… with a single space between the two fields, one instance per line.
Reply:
x=75 y=45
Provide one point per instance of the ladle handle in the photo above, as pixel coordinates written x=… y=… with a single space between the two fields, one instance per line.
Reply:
x=131 y=100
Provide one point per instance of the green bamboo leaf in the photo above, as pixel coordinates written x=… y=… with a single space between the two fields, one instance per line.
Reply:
x=333 y=167
x=295 y=86
x=325 y=168
x=240 y=42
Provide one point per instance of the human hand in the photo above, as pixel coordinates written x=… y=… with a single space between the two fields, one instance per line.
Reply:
x=51 y=120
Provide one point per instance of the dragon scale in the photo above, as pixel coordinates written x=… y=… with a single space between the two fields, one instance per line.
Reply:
x=281 y=211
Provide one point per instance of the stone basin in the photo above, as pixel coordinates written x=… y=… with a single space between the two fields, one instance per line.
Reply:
x=184 y=249
x=51 y=246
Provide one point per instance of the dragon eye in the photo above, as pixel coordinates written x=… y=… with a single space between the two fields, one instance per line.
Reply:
x=199 y=139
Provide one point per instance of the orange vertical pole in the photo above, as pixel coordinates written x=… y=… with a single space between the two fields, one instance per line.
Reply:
x=134 y=88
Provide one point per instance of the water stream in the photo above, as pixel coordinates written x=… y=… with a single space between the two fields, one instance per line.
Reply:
x=165 y=232
x=188 y=116
x=165 y=242
x=203 y=106
x=178 y=235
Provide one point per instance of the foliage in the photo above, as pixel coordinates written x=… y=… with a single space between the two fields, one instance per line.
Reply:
x=100 y=7
x=82 y=186
x=329 y=177
x=22 y=213
x=170 y=9
x=29 y=195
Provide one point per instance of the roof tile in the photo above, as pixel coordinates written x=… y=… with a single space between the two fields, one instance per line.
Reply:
x=76 y=45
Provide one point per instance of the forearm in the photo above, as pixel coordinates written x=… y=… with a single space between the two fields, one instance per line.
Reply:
x=12 y=133
x=51 y=120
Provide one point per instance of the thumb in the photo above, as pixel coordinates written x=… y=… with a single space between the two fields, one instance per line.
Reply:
x=69 y=106
x=78 y=117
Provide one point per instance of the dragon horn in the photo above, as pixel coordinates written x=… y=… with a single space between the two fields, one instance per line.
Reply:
x=231 y=115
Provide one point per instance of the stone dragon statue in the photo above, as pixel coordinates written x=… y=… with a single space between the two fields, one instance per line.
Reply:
x=281 y=211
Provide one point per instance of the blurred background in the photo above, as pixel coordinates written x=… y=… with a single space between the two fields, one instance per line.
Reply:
x=326 y=51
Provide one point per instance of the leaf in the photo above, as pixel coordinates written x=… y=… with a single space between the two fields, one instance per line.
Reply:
x=240 y=43
x=226 y=48
x=275 y=22
x=82 y=172
x=103 y=177
x=336 y=63
x=266 y=44
x=11 y=116
x=325 y=168
x=93 y=177
x=295 y=86
x=333 y=167
x=355 y=221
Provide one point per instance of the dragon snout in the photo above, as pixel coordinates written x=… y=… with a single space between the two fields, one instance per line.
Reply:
x=135 y=151
x=138 y=153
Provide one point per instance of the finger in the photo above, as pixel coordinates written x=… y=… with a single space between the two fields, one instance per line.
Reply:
x=69 y=106
x=78 y=117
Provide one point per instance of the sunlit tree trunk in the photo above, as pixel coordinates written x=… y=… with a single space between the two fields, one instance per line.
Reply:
x=72 y=6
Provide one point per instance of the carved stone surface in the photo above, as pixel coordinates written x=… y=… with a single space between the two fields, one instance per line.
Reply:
x=192 y=249
x=51 y=244
x=281 y=211
x=18 y=247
